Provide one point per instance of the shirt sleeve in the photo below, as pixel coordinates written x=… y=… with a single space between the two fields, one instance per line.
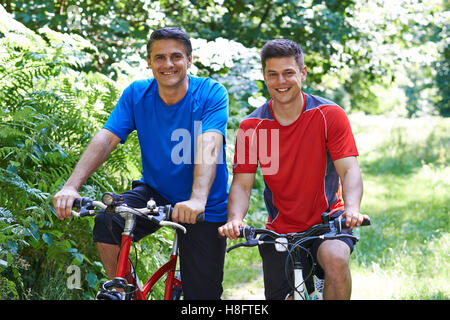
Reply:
x=215 y=112
x=245 y=149
x=121 y=120
x=339 y=136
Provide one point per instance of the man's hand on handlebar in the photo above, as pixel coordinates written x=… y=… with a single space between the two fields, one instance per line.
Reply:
x=353 y=218
x=231 y=229
x=187 y=211
x=63 y=201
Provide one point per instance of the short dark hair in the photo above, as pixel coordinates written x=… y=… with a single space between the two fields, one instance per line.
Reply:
x=279 y=48
x=170 y=33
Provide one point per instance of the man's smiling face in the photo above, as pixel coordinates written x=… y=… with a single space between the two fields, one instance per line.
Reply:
x=169 y=62
x=284 y=77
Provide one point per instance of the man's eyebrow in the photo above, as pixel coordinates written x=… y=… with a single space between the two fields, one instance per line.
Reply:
x=168 y=54
x=284 y=70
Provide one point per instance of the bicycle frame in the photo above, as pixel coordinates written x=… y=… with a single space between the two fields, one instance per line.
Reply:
x=169 y=268
x=124 y=272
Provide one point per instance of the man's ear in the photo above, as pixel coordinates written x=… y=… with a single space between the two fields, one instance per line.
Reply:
x=304 y=72
x=264 y=76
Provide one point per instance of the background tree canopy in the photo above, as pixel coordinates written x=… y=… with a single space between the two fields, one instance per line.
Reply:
x=364 y=46
x=64 y=64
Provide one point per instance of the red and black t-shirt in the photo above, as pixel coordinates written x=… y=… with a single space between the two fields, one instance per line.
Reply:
x=296 y=161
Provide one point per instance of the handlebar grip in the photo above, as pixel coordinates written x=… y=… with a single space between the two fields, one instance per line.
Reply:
x=244 y=232
x=200 y=217
x=81 y=202
x=169 y=210
x=366 y=222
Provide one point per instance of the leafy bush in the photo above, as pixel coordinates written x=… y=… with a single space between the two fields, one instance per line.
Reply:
x=50 y=109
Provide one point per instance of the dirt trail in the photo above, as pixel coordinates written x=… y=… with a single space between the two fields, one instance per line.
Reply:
x=253 y=290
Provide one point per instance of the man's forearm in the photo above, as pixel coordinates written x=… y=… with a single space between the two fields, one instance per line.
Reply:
x=238 y=203
x=93 y=157
x=352 y=189
x=208 y=147
x=203 y=178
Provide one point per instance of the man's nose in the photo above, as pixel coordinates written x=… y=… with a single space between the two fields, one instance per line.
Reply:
x=281 y=79
x=169 y=62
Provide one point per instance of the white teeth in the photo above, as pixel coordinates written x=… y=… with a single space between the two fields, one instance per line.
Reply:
x=168 y=73
x=283 y=90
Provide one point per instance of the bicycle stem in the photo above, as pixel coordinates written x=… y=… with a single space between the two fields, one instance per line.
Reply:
x=130 y=221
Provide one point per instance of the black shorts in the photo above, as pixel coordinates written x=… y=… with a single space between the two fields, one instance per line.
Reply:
x=276 y=284
x=108 y=228
x=202 y=251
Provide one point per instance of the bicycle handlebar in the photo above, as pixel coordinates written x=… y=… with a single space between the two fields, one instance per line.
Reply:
x=326 y=230
x=338 y=223
x=112 y=203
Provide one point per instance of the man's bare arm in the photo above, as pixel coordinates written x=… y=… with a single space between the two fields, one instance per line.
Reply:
x=209 y=145
x=352 y=189
x=98 y=150
x=238 y=203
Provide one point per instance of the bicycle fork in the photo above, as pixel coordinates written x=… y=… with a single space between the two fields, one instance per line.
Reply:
x=124 y=278
x=301 y=291
x=172 y=280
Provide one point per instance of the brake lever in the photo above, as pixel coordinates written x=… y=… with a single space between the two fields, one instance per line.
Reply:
x=84 y=212
x=249 y=243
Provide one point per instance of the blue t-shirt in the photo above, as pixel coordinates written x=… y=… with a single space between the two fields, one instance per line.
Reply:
x=167 y=136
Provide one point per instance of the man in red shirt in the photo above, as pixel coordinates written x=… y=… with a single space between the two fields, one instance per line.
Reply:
x=305 y=148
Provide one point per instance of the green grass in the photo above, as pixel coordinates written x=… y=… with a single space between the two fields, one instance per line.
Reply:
x=406 y=250
x=404 y=254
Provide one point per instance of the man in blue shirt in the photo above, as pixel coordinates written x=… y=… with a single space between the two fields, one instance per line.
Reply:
x=180 y=122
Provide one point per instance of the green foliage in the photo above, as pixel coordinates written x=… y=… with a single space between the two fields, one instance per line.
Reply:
x=49 y=112
x=442 y=67
x=361 y=44
x=107 y=23
x=370 y=56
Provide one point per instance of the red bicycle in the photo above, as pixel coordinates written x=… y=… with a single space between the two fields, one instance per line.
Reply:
x=126 y=284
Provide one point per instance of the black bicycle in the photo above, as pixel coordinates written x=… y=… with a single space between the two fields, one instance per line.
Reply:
x=306 y=288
